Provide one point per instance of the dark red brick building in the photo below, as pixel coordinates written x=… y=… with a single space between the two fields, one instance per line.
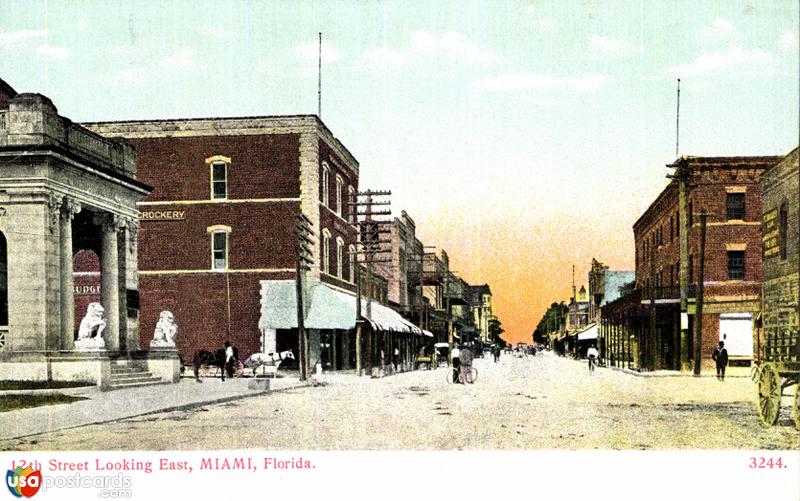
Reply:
x=221 y=221
x=647 y=333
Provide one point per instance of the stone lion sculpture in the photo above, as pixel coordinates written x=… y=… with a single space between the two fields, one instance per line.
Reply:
x=90 y=332
x=166 y=330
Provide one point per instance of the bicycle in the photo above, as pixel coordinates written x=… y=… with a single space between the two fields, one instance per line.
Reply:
x=470 y=376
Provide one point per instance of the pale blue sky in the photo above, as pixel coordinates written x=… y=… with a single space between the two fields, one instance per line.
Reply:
x=488 y=120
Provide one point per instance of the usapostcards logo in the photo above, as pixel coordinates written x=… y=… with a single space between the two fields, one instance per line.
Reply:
x=23 y=481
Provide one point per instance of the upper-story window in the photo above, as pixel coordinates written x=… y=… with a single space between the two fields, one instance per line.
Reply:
x=735 y=265
x=339 y=187
x=326 y=251
x=351 y=209
x=218 y=166
x=326 y=184
x=783 y=229
x=219 y=246
x=735 y=206
x=339 y=257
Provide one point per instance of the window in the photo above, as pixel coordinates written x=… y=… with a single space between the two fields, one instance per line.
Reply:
x=339 y=187
x=783 y=229
x=339 y=257
x=690 y=215
x=691 y=268
x=218 y=166
x=351 y=211
x=219 y=250
x=735 y=265
x=351 y=252
x=735 y=206
x=326 y=251
x=326 y=184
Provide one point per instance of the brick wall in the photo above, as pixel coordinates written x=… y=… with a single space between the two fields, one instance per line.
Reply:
x=262 y=166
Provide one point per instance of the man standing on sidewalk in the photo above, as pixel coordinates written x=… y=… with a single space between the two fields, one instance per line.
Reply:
x=592 y=354
x=720 y=356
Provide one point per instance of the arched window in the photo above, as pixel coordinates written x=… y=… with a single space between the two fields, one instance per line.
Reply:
x=218 y=172
x=351 y=252
x=3 y=281
x=783 y=229
x=326 y=184
x=326 y=251
x=219 y=246
x=339 y=257
x=339 y=187
x=351 y=209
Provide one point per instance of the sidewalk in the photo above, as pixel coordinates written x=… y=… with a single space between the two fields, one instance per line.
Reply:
x=106 y=406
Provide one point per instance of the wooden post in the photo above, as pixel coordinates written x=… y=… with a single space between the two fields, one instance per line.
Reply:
x=301 y=330
x=359 y=322
x=698 y=337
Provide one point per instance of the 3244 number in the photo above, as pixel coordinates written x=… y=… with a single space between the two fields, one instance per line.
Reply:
x=765 y=463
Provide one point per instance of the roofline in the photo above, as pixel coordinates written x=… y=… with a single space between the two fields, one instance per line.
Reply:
x=316 y=118
x=690 y=160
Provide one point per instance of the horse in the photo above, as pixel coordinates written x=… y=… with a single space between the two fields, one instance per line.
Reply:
x=264 y=360
x=214 y=359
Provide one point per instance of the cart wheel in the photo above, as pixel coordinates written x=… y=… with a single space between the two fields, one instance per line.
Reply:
x=768 y=400
x=797 y=407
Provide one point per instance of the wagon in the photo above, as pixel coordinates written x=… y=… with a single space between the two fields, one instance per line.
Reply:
x=778 y=371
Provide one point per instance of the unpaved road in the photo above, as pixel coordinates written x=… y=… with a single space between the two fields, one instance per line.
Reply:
x=542 y=402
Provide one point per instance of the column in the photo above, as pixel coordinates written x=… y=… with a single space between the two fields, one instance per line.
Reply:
x=68 y=211
x=109 y=280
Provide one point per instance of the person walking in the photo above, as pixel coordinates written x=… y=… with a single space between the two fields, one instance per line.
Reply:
x=229 y=359
x=455 y=358
x=396 y=358
x=592 y=354
x=466 y=365
x=720 y=356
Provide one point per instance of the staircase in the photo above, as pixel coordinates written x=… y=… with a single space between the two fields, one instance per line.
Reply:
x=125 y=375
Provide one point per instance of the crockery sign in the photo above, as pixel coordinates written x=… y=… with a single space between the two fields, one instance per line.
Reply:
x=162 y=215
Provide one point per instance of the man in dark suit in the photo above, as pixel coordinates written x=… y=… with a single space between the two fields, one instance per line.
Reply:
x=720 y=356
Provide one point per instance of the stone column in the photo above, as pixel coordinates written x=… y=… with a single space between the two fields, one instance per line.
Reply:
x=68 y=211
x=109 y=279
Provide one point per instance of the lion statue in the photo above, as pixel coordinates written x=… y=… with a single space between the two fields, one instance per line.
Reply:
x=90 y=332
x=166 y=329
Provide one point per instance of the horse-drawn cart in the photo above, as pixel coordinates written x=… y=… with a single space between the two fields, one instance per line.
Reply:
x=778 y=371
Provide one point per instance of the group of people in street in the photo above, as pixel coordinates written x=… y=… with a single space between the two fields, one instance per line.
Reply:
x=461 y=360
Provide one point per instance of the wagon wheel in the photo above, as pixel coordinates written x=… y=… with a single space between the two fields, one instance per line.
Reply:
x=768 y=400
x=797 y=407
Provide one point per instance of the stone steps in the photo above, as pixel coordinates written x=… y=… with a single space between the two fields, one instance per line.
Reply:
x=129 y=376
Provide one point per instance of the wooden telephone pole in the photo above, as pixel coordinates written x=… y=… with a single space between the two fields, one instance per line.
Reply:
x=304 y=262
x=370 y=247
x=698 y=336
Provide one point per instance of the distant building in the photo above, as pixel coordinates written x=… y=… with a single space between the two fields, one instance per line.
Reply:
x=605 y=286
x=781 y=225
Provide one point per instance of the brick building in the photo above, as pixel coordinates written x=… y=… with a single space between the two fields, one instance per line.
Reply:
x=781 y=239
x=218 y=231
x=645 y=326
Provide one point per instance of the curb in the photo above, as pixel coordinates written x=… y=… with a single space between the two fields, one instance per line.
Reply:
x=173 y=408
x=669 y=374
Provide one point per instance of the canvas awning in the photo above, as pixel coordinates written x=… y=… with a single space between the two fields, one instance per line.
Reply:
x=328 y=309
x=588 y=333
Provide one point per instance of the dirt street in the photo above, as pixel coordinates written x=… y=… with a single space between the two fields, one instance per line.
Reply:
x=541 y=402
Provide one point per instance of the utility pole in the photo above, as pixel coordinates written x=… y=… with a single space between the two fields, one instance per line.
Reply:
x=370 y=246
x=653 y=346
x=303 y=263
x=698 y=337
x=681 y=175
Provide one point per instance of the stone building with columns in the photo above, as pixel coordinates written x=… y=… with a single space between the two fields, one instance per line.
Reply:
x=65 y=189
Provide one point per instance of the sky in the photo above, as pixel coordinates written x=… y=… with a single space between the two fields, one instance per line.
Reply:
x=523 y=137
